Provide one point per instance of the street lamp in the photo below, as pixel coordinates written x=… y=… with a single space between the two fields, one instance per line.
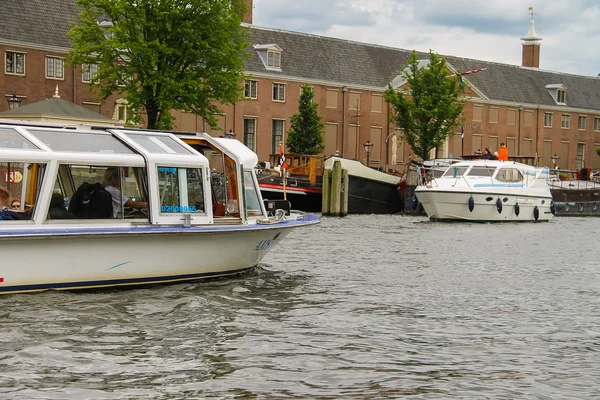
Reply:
x=230 y=134
x=555 y=158
x=13 y=101
x=368 y=146
x=519 y=138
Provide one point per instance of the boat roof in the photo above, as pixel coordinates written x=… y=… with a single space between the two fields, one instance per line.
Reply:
x=109 y=146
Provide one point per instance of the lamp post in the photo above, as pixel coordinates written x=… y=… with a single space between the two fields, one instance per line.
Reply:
x=368 y=146
x=555 y=158
x=519 y=134
x=230 y=134
x=13 y=101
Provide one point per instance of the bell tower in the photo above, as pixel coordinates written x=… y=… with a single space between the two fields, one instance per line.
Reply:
x=531 y=45
x=249 y=8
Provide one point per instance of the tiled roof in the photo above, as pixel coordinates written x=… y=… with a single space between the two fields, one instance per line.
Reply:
x=43 y=22
x=320 y=58
x=56 y=107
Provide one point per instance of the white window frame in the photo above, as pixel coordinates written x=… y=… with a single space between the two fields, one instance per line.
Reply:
x=251 y=86
x=582 y=123
x=597 y=124
x=15 y=65
x=277 y=95
x=58 y=64
x=91 y=70
x=548 y=119
x=565 y=121
x=273 y=59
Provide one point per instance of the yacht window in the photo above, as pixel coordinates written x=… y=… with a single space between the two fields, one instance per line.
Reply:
x=90 y=192
x=253 y=207
x=180 y=190
x=454 y=171
x=11 y=139
x=81 y=141
x=23 y=182
x=482 y=171
x=509 y=175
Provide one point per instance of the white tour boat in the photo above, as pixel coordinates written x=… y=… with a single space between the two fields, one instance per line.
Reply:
x=488 y=191
x=114 y=207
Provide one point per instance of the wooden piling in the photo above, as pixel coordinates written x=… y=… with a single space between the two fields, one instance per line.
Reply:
x=326 y=191
x=344 y=193
x=336 y=190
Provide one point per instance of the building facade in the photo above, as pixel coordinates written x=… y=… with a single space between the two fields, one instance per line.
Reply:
x=553 y=115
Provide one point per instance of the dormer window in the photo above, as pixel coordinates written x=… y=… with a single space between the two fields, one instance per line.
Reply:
x=270 y=55
x=274 y=59
x=558 y=92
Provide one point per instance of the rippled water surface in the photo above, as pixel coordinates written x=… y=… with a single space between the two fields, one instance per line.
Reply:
x=354 y=308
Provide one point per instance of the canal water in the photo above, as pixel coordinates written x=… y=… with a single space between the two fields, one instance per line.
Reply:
x=364 y=307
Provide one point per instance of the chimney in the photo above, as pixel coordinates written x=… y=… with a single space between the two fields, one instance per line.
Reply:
x=531 y=46
x=249 y=8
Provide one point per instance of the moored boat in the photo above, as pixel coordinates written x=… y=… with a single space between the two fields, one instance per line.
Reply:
x=370 y=191
x=176 y=212
x=575 y=193
x=488 y=191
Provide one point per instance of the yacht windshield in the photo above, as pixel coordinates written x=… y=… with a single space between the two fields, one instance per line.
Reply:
x=455 y=171
x=482 y=171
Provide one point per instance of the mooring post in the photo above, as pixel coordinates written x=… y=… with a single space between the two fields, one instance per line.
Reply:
x=326 y=192
x=344 y=193
x=336 y=189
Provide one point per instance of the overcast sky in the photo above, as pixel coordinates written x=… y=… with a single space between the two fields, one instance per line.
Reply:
x=481 y=29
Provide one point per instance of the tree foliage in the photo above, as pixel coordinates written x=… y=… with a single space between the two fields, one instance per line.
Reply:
x=163 y=54
x=598 y=150
x=430 y=109
x=306 y=132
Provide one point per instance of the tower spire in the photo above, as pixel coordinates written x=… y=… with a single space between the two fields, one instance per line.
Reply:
x=531 y=45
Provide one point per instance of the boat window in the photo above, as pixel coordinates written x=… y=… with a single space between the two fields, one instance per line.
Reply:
x=81 y=141
x=509 y=175
x=253 y=207
x=180 y=190
x=23 y=182
x=224 y=184
x=455 y=171
x=98 y=192
x=159 y=144
x=11 y=139
x=481 y=171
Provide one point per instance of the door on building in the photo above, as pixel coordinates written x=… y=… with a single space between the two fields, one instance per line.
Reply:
x=563 y=162
x=510 y=145
x=352 y=141
x=547 y=157
x=580 y=155
x=330 y=139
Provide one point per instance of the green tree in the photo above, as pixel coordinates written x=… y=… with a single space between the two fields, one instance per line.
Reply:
x=306 y=132
x=163 y=54
x=598 y=150
x=431 y=107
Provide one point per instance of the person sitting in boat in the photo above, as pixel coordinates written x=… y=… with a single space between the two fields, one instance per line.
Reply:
x=57 y=208
x=486 y=155
x=111 y=184
x=5 y=212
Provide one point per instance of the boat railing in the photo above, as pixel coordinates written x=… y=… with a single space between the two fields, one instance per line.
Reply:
x=301 y=164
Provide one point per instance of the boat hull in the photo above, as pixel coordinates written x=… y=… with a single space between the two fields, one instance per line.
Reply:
x=102 y=258
x=368 y=196
x=454 y=206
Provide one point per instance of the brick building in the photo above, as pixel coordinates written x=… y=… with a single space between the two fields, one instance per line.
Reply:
x=532 y=110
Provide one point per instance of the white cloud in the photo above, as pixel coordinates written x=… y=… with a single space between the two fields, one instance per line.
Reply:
x=478 y=29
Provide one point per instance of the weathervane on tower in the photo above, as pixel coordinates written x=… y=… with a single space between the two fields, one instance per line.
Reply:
x=531 y=13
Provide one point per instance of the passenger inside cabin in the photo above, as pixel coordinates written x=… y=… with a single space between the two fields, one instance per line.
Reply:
x=57 y=208
x=15 y=204
x=112 y=185
x=6 y=213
